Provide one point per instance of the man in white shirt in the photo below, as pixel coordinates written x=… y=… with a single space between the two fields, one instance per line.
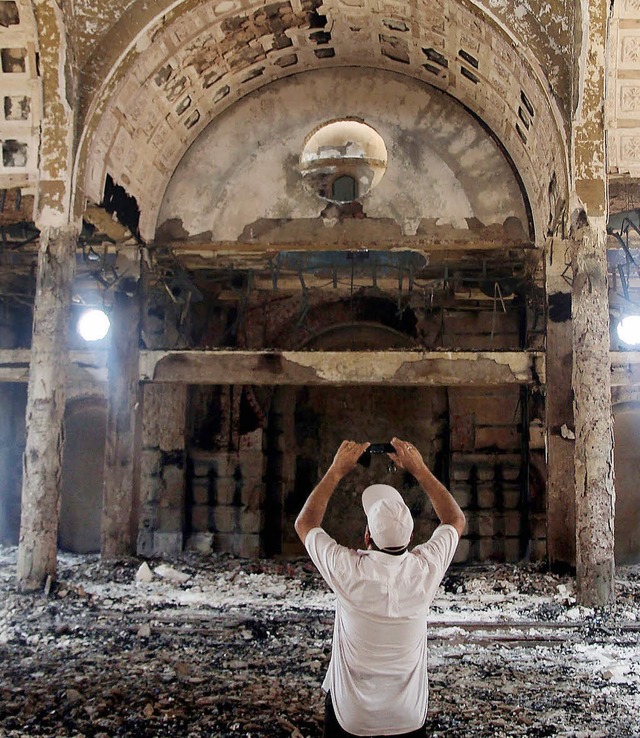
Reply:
x=377 y=679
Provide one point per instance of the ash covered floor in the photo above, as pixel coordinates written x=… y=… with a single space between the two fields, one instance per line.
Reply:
x=216 y=646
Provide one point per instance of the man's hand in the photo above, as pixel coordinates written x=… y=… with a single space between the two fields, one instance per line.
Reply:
x=407 y=457
x=446 y=508
x=315 y=507
x=347 y=457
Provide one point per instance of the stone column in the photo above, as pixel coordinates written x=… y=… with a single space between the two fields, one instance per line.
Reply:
x=119 y=480
x=595 y=492
x=560 y=428
x=42 y=466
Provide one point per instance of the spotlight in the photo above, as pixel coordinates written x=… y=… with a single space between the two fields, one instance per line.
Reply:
x=93 y=325
x=629 y=330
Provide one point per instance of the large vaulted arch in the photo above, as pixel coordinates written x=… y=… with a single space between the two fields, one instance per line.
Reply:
x=188 y=63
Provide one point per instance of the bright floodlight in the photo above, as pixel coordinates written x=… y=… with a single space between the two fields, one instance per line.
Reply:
x=629 y=330
x=93 y=325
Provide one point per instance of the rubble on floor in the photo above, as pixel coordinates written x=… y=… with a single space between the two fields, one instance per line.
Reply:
x=216 y=646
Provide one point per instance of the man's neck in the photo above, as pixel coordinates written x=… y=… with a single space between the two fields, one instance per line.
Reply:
x=396 y=551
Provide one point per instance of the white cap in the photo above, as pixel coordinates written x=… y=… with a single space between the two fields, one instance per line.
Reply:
x=389 y=519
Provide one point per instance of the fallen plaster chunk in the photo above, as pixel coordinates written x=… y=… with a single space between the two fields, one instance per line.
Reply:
x=567 y=433
x=578 y=612
x=168 y=572
x=144 y=575
x=616 y=673
x=144 y=631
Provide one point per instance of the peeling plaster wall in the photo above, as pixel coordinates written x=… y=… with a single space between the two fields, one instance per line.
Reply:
x=57 y=129
x=20 y=102
x=92 y=24
x=547 y=29
x=442 y=165
x=623 y=90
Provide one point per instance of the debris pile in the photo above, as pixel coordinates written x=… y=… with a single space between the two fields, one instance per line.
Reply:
x=216 y=646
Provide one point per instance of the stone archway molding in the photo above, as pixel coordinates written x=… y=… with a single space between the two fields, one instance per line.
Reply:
x=189 y=63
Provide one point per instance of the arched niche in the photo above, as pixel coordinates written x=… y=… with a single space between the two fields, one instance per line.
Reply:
x=242 y=177
x=82 y=474
x=626 y=458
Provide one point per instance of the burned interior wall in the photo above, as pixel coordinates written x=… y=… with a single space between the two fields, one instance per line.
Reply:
x=309 y=317
x=323 y=417
x=490 y=460
x=253 y=453
x=162 y=469
x=489 y=475
x=226 y=488
x=16 y=310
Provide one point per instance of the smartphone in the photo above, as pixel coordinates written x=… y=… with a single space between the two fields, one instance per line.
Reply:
x=380 y=448
x=375 y=448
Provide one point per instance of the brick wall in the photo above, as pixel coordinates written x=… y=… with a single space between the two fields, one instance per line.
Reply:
x=225 y=504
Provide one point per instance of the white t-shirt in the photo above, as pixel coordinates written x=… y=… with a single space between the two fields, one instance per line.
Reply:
x=378 y=669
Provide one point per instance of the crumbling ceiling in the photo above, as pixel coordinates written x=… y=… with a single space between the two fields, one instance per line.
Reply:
x=151 y=76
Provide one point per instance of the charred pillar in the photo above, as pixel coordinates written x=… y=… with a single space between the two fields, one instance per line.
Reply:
x=56 y=76
x=590 y=315
x=42 y=464
x=119 y=485
x=560 y=429
x=595 y=493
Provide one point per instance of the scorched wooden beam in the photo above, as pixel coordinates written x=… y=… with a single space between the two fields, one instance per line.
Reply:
x=400 y=368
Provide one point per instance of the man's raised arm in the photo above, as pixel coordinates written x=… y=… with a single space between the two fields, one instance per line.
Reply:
x=446 y=508
x=315 y=507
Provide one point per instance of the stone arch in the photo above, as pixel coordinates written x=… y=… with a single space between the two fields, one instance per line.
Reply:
x=386 y=324
x=358 y=336
x=82 y=474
